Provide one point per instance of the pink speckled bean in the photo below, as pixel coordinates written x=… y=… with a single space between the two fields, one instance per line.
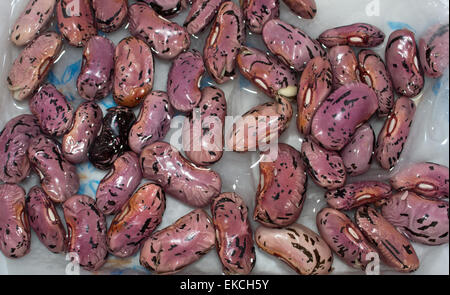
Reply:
x=45 y=221
x=163 y=164
x=183 y=83
x=227 y=35
x=175 y=247
x=15 y=139
x=110 y=15
x=119 y=184
x=339 y=116
x=344 y=65
x=267 y=73
x=314 y=87
x=303 y=8
x=97 y=71
x=234 y=235
x=136 y=221
x=167 y=39
x=392 y=138
x=258 y=12
x=32 y=65
x=421 y=220
x=33 y=20
x=167 y=8
x=394 y=248
x=201 y=14
x=86 y=127
x=86 y=227
x=203 y=130
x=433 y=50
x=427 y=179
x=356 y=35
x=153 y=122
x=281 y=191
x=290 y=44
x=403 y=63
x=301 y=248
x=54 y=113
x=76 y=21
x=357 y=154
x=325 y=167
x=357 y=194
x=344 y=238
x=59 y=177
x=15 y=232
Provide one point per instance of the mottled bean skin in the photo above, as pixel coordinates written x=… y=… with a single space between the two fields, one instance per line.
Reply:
x=394 y=248
x=303 y=8
x=433 y=50
x=373 y=72
x=357 y=194
x=54 y=113
x=86 y=227
x=33 y=20
x=344 y=65
x=427 y=179
x=132 y=83
x=77 y=25
x=355 y=35
x=281 y=191
x=166 y=39
x=293 y=46
x=325 y=167
x=119 y=184
x=153 y=121
x=201 y=14
x=97 y=71
x=162 y=163
x=112 y=141
x=227 y=35
x=33 y=64
x=110 y=15
x=357 y=154
x=136 y=221
x=15 y=233
x=339 y=116
x=86 y=126
x=267 y=73
x=59 y=177
x=298 y=246
x=419 y=219
x=258 y=12
x=167 y=8
x=171 y=249
x=258 y=127
x=344 y=238
x=395 y=132
x=403 y=64
x=314 y=87
x=14 y=141
x=45 y=221
x=234 y=235
x=183 y=83
x=203 y=130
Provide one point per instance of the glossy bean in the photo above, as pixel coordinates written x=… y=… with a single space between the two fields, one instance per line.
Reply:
x=119 y=184
x=259 y=12
x=357 y=154
x=234 y=235
x=33 y=64
x=392 y=138
x=175 y=247
x=201 y=15
x=163 y=164
x=110 y=15
x=167 y=8
x=222 y=45
x=281 y=190
x=433 y=50
x=136 y=221
x=356 y=35
x=304 y=8
x=344 y=65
